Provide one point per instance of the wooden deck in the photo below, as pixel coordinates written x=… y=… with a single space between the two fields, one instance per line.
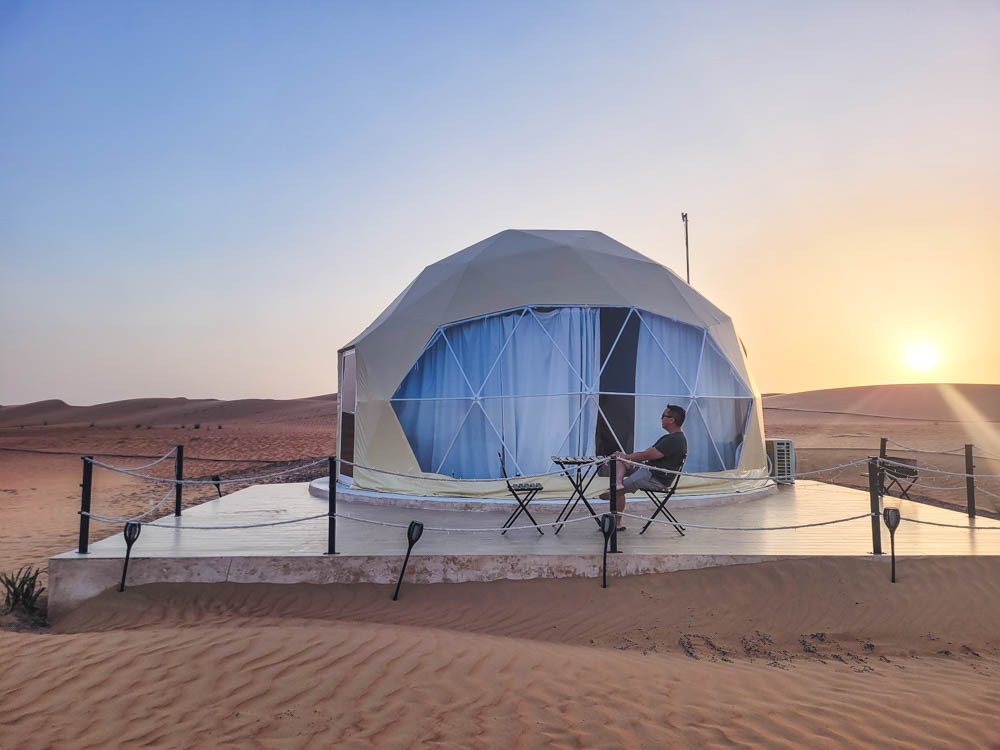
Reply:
x=371 y=552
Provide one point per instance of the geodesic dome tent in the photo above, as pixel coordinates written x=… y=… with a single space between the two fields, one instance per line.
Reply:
x=532 y=344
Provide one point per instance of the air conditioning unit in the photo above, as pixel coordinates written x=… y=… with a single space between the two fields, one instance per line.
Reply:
x=781 y=459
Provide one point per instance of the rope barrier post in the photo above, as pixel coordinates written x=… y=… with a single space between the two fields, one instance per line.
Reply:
x=178 y=475
x=970 y=481
x=85 y=487
x=218 y=483
x=875 y=493
x=331 y=532
x=613 y=499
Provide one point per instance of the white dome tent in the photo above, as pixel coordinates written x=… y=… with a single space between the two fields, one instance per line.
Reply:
x=531 y=344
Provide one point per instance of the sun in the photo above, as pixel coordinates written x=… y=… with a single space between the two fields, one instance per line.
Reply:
x=922 y=356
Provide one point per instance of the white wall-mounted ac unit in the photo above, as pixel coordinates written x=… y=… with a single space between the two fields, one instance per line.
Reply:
x=781 y=458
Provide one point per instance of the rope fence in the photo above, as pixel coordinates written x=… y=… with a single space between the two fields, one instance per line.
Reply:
x=175 y=481
x=202 y=459
x=891 y=462
x=159 y=460
x=957 y=450
x=879 y=468
x=495 y=529
x=134 y=472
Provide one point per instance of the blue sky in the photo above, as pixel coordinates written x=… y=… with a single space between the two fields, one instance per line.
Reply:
x=207 y=199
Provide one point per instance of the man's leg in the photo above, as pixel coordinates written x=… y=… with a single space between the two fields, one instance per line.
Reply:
x=621 y=470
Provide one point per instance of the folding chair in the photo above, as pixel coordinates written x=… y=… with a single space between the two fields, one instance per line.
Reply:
x=660 y=503
x=897 y=475
x=524 y=493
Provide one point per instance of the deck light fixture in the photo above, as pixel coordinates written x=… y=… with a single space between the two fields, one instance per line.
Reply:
x=413 y=533
x=132 y=530
x=607 y=528
x=891 y=518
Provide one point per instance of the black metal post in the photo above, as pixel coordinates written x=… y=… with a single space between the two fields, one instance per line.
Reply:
x=970 y=481
x=85 y=487
x=881 y=447
x=892 y=552
x=218 y=483
x=875 y=491
x=613 y=500
x=687 y=255
x=178 y=475
x=331 y=531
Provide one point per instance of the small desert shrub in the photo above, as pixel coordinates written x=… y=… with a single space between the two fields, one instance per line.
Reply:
x=220 y=426
x=21 y=590
x=149 y=427
x=197 y=426
x=91 y=424
x=138 y=426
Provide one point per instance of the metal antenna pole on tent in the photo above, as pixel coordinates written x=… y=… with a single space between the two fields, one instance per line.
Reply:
x=687 y=256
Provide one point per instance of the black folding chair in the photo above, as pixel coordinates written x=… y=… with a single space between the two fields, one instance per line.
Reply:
x=661 y=501
x=892 y=474
x=524 y=493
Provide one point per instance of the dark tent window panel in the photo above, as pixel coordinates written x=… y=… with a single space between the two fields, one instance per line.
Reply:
x=539 y=381
x=348 y=396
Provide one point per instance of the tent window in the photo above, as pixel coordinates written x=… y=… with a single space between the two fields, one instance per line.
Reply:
x=349 y=383
x=541 y=381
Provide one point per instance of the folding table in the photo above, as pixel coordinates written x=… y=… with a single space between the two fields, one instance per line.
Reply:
x=580 y=471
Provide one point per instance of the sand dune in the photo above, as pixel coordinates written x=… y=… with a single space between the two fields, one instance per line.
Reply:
x=958 y=402
x=815 y=653
x=802 y=654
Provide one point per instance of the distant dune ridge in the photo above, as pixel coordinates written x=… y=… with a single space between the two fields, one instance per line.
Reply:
x=170 y=411
x=945 y=402
x=928 y=401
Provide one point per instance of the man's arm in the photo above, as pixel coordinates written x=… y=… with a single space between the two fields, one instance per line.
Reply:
x=650 y=454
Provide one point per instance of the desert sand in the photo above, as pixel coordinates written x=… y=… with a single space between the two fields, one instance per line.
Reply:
x=823 y=653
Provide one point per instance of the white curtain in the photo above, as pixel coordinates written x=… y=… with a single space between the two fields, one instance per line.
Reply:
x=680 y=364
x=526 y=372
x=552 y=352
x=518 y=384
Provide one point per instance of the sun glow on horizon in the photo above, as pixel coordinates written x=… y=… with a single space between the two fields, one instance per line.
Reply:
x=922 y=356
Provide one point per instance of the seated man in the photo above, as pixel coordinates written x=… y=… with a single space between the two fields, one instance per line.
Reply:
x=666 y=453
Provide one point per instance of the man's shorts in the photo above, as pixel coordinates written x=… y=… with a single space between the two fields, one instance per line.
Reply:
x=641 y=478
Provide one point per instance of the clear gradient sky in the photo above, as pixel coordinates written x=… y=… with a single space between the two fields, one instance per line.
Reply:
x=207 y=199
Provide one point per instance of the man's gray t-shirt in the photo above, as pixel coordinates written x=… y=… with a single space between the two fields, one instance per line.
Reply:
x=674 y=447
